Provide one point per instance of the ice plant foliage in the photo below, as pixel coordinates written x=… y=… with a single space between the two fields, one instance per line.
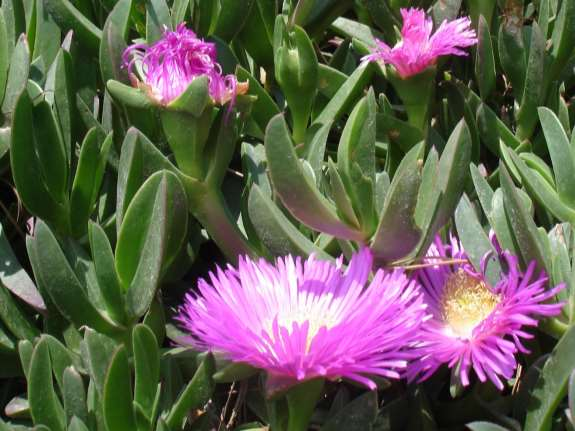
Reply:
x=475 y=325
x=168 y=66
x=419 y=48
x=301 y=319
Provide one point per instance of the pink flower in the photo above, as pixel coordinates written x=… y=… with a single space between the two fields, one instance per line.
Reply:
x=304 y=319
x=419 y=49
x=475 y=325
x=168 y=66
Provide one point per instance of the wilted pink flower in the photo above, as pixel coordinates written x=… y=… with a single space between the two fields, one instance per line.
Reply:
x=475 y=325
x=168 y=66
x=304 y=319
x=419 y=49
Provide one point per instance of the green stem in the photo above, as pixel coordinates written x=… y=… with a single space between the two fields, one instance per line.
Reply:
x=416 y=93
x=302 y=400
x=209 y=208
x=187 y=136
x=554 y=327
x=299 y=127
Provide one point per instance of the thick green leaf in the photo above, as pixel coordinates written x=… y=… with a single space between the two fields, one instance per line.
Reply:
x=129 y=96
x=341 y=198
x=117 y=394
x=187 y=136
x=524 y=228
x=74 y=395
x=484 y=426
x=17 y=76
x=541 y=189
x=397 y=234
x=315 y=148
x=108 y=282
x=297 y=192
x=453 y=170
x=147 y=368
x=223 y=137
x=195 y=395
x=61 y=358
x=446 y=10
x=512 y=54
x=194 y=99
x=130 y=173
x=44 y=404
x=264 y=108
x=77 y=425
x=232 y=17
x=4 y=56
x=25 y=351
x=30 y=173
x=14 y=318
x=346 y=96
x=69 y=18
x=157 y=18
x=51 y=151
x=397 y=132
x=357 y=415
x=47 y=35
x=474 y=239
x=275 y=230
x=533 y=90
x=551 y=386
x=383 y=16
x=98 y=350
x=356 y=161
x=62 y=284
x=233 y=372
x=482 y=188
x=562 y=155
x=88 y=178
x=428 y=195
x=179 y=11
x=330 y=80
x=7 y=341
x=562 y=39
x=571 y=393
x=152 y=234
x=17 y=408
x=254 y=167
x=15 y=278
x=257 y=33
x=113 y=43
x=297 y=72
x=61 y=95
x=353 y=29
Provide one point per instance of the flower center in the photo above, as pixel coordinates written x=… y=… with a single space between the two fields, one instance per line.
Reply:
x=466 y=302
x=316 y=320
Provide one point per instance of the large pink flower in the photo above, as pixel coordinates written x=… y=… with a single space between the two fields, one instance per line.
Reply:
x=304 y=319
x=168 y=66
x=475 y=325
x=419 y=49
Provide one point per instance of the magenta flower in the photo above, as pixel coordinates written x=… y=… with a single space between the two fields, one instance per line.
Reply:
x=475 y=325
x=419 y=49
x=299 y=320
x=168 y=66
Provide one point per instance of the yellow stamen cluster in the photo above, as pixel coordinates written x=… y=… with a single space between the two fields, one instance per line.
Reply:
x=466 y=302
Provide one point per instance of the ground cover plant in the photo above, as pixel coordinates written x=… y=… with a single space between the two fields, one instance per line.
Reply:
x=337 y=215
